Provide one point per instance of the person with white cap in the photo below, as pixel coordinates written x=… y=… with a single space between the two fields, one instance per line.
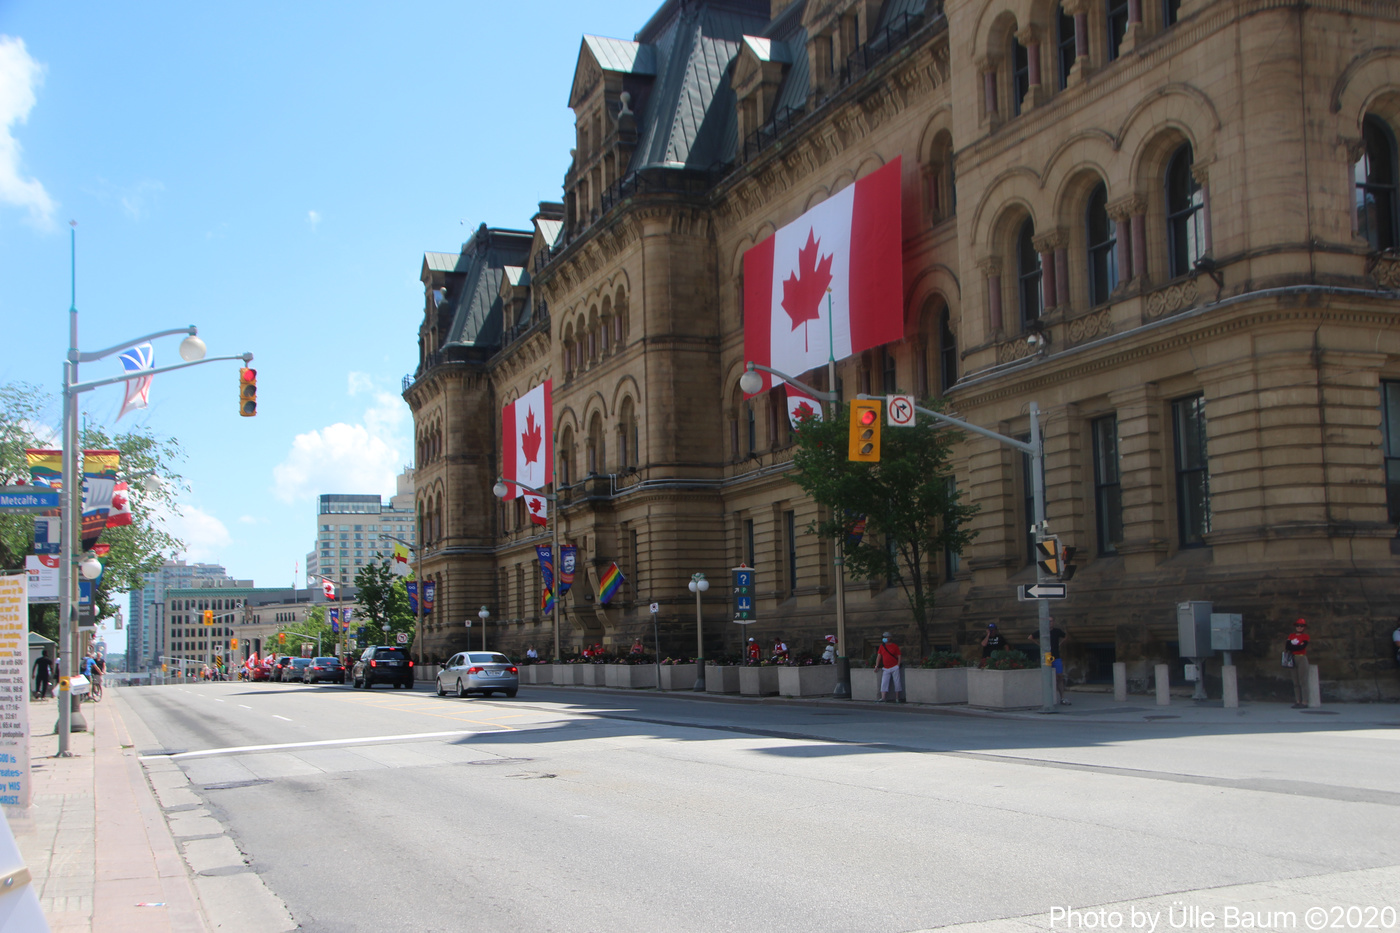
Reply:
x=755 y=653
x=888 y=658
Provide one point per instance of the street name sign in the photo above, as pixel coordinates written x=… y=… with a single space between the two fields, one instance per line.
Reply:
x=27 y=499
x=1029 y=591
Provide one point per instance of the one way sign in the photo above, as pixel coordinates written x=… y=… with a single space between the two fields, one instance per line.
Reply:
x=1029 y=591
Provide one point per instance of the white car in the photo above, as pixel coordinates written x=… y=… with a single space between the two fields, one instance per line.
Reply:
x=483 y=672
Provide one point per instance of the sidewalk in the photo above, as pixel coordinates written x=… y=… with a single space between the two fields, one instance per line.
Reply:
x=95 y=840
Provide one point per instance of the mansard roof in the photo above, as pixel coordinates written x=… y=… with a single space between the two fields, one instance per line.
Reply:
x=475 y=295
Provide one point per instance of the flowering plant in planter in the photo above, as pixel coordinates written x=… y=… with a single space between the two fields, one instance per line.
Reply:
x=1006 y=661
x=629 y=658
x=683 y=659
x=940 y=660
x=725 y=660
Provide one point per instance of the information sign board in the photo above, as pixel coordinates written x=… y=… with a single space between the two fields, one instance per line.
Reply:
x=15 y=785
x=743 y=595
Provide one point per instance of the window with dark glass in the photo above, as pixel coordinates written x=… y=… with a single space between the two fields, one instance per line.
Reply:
x=790 y=529
x=889 y=374
x=1103 y=247
x=1020 y=76
x=948 y=353
x=1108 y=487
x=1192 y=473
x=1390 y=417
x=1064 y=40
x=1028 y=273
x=1185 y=214
x=748 y=543
x=1171 y=12
x=1376 y=175
x=1117 y=11
x=753 y=426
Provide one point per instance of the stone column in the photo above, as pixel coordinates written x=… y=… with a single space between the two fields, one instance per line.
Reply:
x=1035 y=92
x=1132 y=36
x=1201 y=173
x=988 y=67
x=991 y=268
x=1139 y=225
x=1054 y=285
x=1079 y=9
x=1121 y=213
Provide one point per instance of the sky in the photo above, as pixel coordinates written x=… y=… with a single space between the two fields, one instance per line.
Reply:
x=271 y=172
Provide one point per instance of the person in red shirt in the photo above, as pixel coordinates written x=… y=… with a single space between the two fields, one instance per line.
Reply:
x=888 y=659
x=1296 y=645
x=780 y=651
x=754 y=652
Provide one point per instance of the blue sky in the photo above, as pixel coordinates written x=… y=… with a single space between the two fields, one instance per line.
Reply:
x=272 y=172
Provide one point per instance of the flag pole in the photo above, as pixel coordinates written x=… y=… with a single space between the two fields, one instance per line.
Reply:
x=842 y=689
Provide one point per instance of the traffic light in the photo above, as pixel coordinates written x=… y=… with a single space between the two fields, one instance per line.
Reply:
x=864 y=444
x=281 y=638
x=1066 y=563
x=247 y=392
x=1047 y=554
x=234 y=644
x=209 y=617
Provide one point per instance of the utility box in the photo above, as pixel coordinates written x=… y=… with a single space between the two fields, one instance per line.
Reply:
x=1227 y=631
x=1193 y=629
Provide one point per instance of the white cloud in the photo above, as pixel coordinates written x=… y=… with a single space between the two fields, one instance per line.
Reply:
x=204 y=535
x=359 y=382
x=19 y=76
x=134 y=197
x=248 y=520
x=314 y=219
x=348 y=458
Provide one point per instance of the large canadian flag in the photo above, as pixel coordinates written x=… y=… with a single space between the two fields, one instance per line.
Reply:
x=527 y=446
x=846 y=249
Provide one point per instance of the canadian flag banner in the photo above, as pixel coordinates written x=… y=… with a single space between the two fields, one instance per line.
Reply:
x=527 y=446
x=829 y=284
x=328 y=588
x=801 y=406
x=120 y=513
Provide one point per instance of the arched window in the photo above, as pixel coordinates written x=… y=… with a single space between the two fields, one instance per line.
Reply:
x=1064 y=41
x=566 y=457
x=1020 y=75
x=1028 y=274
x=943 y=198
x=595 y=445
x=1376 y=176
x=889 y=374
x=1185 y=214
x=1103 y=247
x=1171 y=12
x=1117 y=11
x=627 y=435
x=947 y=353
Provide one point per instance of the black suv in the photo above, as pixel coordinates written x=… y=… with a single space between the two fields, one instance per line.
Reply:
x=383 y=664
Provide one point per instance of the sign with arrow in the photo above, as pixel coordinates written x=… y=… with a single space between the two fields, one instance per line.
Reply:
x=899 y=410
x=743 y=595
x=1029 y=591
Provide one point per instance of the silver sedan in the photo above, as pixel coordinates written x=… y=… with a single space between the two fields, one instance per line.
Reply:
x=483 y=672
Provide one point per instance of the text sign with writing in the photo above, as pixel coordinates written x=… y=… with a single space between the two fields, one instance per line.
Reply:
x=743 y=595
x=27 y=499
x=15 y=786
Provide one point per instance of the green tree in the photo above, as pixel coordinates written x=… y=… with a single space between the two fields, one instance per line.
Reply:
x=315 y=625
x=136 y=549
x=912 y=508
x=383 y=598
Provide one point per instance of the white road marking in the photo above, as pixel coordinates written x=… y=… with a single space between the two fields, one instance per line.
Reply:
x=283 y=718
x=241 y=706
x=369 y=740
x=217 y=700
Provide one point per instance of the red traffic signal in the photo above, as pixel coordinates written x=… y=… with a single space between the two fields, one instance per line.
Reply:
x=247 y=392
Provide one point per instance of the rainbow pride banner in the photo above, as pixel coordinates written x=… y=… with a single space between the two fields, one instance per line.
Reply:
x=608 y=586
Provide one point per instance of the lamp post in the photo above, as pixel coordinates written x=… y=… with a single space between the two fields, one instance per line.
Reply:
x=192 y=350
x=698 y=585
x=483 y=614
x=751 y=382
x=501 y=490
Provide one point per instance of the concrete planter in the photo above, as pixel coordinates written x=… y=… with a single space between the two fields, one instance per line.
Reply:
x=722 y=679
x=865 y=684
x=592 y=675
x=817 y=680
x=758 y=681
x=678 y=676
x=426 y=672
x=537 y=674
x=630 y=676
x=1004 y=689
x=566 y=675
x=936 y=685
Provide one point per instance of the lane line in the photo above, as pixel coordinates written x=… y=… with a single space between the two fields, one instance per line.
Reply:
x=324 y=743
x=283 y=718
x=241 y=706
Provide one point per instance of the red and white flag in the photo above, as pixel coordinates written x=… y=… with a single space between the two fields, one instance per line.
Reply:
x=801 y=406
x=829 y=284
x=328 y=587
x=138 y=391
x=120 y=513
x=527 y=446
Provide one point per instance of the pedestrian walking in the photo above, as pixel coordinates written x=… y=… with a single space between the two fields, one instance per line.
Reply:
x=43 y=675
x=1295 y=650
x=992 y=641
x=889 y=658
x=1058 y=637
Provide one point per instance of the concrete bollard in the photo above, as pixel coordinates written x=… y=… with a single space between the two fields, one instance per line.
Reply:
x=1120 y=681
x=1314 y=687
x=1164 y=696
x=1230 y=682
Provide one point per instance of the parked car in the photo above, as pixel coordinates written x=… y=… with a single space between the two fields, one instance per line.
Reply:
x=483 y=672
x=261 y=671
x=323 y=669
x=280 y=666
x=293 y=672
x=383 y=664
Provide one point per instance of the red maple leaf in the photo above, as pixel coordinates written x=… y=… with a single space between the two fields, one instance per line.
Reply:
x=531 y=439
x=804 y=289
x=804 y=411
x=118 y=501
x=534 y=503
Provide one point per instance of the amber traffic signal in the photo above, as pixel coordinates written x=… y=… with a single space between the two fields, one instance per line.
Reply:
x=247 y=392
x=209 y=617
x=233 y=643
x=864 y=443
x=281 y=638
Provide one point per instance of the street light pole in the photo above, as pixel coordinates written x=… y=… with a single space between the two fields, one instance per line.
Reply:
x=483 y=614
x=698 y=585
x=501 y=490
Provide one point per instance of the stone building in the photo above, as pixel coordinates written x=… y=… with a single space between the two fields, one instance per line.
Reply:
x=1172 y=224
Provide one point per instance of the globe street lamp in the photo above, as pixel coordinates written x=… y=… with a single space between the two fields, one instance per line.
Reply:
x=483 y=614
x=500 y=491
x=698 y=585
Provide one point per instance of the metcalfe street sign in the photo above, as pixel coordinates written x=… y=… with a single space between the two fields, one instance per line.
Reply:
x=27 y=499
x=743 y=595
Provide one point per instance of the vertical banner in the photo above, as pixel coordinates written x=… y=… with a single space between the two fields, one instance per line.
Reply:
x=99 y=483
x=429 y=593
x=546 y=564
x=568 y=559
x=45 y=467
x=15 y=787
x=335 y=621
x=412 y=587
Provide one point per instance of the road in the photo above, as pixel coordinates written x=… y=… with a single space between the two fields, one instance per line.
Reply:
x=566 y=810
